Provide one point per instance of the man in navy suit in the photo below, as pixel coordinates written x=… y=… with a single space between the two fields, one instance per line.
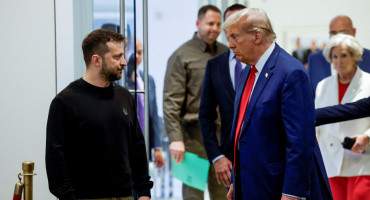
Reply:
x=319 y=68
x=218 y=92
x=276 y=155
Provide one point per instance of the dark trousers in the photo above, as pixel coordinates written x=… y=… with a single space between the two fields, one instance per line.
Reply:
x=237 y=183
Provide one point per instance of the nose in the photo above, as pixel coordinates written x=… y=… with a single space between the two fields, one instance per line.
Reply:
x=123 y=62
x=216 y=27
x=231 y=44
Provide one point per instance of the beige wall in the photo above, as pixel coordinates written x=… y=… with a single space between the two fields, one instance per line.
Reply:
x=27 y=85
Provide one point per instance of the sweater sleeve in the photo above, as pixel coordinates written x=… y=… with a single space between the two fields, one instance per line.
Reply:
x=139 y=161
x=174 y=93
x=56 y=167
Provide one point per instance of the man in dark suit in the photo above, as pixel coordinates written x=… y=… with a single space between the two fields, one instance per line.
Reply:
x=299 y=52
x=218 y=93
x=319 y=68
x=136 y=81
x=276 y=155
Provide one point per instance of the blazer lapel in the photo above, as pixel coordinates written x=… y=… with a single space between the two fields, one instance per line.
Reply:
x=142 y=75
x=263 y=78
x=353 y=88
x=225 y=69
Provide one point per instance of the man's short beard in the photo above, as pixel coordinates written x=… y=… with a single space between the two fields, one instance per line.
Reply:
x=109 y=75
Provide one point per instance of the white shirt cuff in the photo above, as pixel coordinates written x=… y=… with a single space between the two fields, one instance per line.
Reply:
x=301 y=198
x=217 y=158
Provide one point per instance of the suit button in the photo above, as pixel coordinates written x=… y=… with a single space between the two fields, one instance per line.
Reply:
x=242 y=143
x=331 y=144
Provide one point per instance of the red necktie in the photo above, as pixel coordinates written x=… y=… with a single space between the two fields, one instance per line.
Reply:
x=243 y=106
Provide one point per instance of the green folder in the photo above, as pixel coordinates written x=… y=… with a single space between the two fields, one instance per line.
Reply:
x=193 y=171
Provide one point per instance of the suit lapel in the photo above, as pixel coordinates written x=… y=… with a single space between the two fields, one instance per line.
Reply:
x=353 y=88
x=244 y=78
x=225 y=69
x=264 y=77
x=141 y=75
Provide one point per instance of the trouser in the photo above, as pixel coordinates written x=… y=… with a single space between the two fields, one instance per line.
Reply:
x=193 y=144
x=350 y=188
x=113 y=198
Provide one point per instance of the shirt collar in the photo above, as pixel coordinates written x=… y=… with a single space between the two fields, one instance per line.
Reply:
x=231 y=55
x=202 y=45
x=265 y=56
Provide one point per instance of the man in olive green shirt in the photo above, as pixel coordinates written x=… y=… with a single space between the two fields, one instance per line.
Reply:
x=181 y=95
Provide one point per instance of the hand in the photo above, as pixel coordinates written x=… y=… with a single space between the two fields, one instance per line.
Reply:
x=158 y=159
x=361 y=143
x=285 y=197
x=230 y=194
x=177 y=149
x=144 y=198
x=223 y=171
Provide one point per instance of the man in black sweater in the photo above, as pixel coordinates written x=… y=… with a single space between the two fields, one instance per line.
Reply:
x=95 y=148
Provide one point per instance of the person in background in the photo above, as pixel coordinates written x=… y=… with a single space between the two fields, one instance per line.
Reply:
x=93 y=148
x=276 y=155
x=218 y=93
x=136 y=80
x=299 y=52
x=308 y=52
x=348 y=169
x=181 y=95
x=319 y=68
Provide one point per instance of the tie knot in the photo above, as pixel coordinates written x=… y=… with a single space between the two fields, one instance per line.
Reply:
x=254 y=69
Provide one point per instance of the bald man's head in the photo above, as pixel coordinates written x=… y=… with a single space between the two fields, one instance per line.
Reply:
x=342 y=24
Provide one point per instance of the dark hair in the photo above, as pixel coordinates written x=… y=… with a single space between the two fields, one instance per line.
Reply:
x=96 y=43
x=202 y=11
x=233 y=7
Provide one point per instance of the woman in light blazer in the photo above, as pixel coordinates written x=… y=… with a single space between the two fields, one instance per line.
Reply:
x=348 y=170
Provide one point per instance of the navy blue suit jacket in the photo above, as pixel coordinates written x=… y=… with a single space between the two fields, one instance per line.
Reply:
x=217 y=91
x=343 y=112
x=278 y=150
x=319 y=68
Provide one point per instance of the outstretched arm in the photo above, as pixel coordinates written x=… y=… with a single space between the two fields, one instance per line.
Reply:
x=343 y=112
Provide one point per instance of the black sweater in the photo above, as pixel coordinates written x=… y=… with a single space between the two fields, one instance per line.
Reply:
x=94 y=145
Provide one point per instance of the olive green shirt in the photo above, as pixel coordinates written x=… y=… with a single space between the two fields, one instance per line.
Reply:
x=183 y=84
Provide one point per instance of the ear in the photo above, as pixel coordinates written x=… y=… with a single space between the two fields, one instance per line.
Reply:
x=197 y=24
x=354 y=32
x=96 y=60
x=258 y=37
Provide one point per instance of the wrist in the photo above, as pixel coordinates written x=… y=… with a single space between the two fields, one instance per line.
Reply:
x=217 y=158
